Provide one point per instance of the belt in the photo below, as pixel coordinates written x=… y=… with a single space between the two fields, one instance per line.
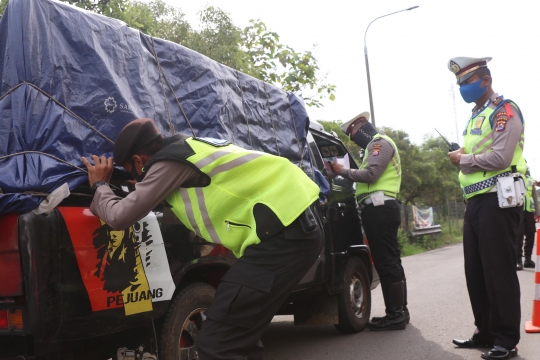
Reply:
x=484 y=184
x=368 y=201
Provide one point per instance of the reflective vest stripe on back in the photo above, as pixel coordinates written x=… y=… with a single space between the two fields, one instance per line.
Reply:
x=222 y=212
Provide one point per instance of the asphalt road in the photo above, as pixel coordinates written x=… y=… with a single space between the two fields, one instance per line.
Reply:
x=440 y=311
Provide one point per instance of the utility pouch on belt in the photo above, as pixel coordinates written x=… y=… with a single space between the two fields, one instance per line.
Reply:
x=308 y=221
x=510 y=191
x=377 y=198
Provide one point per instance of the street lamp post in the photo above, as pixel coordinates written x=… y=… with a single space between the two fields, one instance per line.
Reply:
x=367 y=62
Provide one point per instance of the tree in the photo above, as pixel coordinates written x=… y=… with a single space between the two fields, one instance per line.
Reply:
x=427 y=176
x=3 y=4
x=219 y=39
x=279 y=64
x=254 y=50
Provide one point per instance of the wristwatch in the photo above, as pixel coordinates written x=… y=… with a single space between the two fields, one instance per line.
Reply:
x=96 y=185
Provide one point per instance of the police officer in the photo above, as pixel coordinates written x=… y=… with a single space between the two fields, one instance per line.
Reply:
x=378 y=182
x=253 y=203
x=493 y=147
x=527 y=226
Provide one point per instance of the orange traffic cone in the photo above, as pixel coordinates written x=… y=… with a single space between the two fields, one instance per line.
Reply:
x=534 y=325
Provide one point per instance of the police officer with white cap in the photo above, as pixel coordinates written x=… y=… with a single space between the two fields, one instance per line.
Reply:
x=492 y=152
x=378 y=182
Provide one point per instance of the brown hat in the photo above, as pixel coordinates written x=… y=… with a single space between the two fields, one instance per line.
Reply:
x=133 y=137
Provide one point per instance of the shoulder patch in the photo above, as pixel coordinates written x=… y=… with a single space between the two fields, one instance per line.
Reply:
x=501 y=118
x=376 y=149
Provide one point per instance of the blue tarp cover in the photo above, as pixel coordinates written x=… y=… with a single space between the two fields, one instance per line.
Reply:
x=72 y=79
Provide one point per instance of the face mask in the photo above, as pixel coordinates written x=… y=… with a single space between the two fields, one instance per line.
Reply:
x=472 y=92
x=364 y=135
x=134 y=173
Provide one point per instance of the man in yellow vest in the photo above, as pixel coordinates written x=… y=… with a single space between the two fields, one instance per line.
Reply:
x=527 y=226
x=493 y=147
x=377 y=183
x=255 y=204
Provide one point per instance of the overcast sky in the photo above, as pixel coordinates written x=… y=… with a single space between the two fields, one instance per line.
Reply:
x=408 y=56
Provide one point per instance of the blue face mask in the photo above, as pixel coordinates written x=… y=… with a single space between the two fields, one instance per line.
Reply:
x=472 y=92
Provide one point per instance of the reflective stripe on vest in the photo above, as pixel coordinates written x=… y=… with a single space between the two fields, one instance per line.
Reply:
x=390 y=180
x=478 y=140
x=200 y=196
x=222 y=212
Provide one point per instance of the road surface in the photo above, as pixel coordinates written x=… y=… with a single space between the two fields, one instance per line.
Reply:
x=440 y=311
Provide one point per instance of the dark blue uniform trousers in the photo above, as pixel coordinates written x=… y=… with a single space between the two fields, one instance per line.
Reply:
x=489 y=246
x=250 y=294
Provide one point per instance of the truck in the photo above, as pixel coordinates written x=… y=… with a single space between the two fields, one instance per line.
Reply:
x=69 y=282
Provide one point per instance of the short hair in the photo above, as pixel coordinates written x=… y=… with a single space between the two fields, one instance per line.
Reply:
x=483 y=71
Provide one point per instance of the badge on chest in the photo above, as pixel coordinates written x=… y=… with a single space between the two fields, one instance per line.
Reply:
x=477 y=127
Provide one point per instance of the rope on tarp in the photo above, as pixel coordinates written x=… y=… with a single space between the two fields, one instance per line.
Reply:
x=42 y=153
x=48 y=155
x=58 y=103
x=165 y=102
x=154 y=52
x=271 y=117
x=42 y=194
x=296 y=134
x=244 y=108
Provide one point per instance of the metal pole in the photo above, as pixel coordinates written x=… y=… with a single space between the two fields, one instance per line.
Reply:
x=369 y=89
x=367 y=62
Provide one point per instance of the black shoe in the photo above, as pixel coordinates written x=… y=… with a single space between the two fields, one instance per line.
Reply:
x=529 y=263
x=500 y=353
x=393 y=300
x=405 y=312
x=470 y=343
x=519 y=265
x=387 y=324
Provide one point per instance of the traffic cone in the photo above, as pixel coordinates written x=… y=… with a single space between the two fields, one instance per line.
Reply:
x=533 y=326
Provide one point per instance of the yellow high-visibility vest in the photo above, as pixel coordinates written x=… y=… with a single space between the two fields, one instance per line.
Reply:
x=390 y=180
x=222 y=212
x=478 y=140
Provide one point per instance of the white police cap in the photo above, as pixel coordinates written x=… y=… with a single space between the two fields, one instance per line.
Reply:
x=464 y=67
x=348 y=125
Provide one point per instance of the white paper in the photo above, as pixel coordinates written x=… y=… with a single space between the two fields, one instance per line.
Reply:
x=344 y=161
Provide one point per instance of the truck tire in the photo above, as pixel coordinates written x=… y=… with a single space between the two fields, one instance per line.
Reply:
x=354 y=303
x=183 y=322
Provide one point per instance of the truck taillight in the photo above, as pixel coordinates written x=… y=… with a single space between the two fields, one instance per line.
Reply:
x=10 y=258
x=11 y=320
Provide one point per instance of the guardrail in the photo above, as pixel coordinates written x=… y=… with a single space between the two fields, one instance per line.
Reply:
x=435 y=229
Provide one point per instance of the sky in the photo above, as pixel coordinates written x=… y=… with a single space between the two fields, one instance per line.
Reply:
x=408 y=55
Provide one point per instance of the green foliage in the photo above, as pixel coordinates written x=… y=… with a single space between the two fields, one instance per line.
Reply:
x=254 y=50
x=218 y=38
x=427 y=175
x=3 y=4
x=412 y=246
x=282 y=65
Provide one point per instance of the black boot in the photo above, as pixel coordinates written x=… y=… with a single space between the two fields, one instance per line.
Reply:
x=393 y=300
x=519 y=265
x=528 y=262
x=405 y=309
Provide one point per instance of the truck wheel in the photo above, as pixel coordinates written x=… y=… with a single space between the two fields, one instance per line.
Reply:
x=354 y=303
x=183 y=322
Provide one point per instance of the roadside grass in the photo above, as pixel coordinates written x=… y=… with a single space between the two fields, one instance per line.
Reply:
x=415 y=245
